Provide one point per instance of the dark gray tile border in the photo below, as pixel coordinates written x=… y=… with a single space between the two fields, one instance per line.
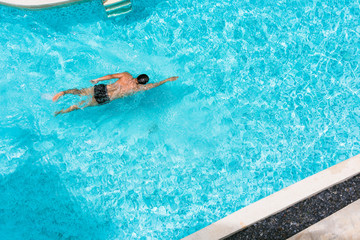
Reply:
x=303 y=214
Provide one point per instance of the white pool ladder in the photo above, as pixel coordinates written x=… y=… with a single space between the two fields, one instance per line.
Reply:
x=115 y=8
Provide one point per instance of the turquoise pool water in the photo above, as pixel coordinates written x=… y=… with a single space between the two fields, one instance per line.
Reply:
x=268 y=94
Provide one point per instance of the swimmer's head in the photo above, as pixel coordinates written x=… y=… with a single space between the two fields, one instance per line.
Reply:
x=142 y=79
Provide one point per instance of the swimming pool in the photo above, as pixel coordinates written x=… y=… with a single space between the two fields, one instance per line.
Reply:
x=268 y=94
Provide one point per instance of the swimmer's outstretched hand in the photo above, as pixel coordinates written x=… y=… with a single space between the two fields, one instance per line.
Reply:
x=94 y=81
x=172 y=79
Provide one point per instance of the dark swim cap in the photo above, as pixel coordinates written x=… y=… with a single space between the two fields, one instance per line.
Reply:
x=142 y=79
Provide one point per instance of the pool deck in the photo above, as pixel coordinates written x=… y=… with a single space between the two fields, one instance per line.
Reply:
x=315 y=197
x=37 y=4
x=344 y=224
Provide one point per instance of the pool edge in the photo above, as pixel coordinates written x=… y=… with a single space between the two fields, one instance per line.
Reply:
x=42 y=6
x=279 y=201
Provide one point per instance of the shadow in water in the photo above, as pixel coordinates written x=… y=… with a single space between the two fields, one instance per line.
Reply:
x=35 y=205
x=59 y=19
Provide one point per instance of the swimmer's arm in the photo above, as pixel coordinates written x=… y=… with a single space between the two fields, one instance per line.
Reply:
x=154 y=85
x=107 y=77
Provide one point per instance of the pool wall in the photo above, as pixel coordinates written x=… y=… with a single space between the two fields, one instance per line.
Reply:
x=280 y=200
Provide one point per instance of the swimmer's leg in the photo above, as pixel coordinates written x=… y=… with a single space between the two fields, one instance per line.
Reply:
x=75 y=91
x=73 y=108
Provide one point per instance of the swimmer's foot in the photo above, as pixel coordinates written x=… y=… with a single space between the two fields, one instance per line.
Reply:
x=57 y=96
x=57 y=113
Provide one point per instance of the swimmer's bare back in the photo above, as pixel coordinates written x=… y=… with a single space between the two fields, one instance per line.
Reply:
x=125 y=85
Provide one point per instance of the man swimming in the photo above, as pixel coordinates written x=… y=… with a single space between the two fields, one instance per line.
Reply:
x=100 y=94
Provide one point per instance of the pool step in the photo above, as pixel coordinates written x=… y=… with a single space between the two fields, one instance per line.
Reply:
x=117 y=7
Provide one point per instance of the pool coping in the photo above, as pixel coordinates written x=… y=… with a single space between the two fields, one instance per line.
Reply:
x=279 y=201
x=38 y=4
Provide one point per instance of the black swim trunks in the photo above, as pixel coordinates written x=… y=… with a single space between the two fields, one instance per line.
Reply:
x=100 y=94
